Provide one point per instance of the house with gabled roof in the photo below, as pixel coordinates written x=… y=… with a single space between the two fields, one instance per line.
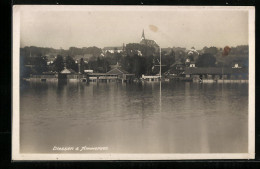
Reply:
x=176 y=69
x=121 y=74
x=117 y=71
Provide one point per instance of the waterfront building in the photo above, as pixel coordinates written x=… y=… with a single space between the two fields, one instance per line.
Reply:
x=215 y=73
x=121 y=74
x=176 y=69
x=88 y=71
x=70 y=74
x=115 y=74
x=151 y=78
x=45 y=77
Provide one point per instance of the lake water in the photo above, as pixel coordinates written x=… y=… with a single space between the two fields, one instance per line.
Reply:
x=171 y=117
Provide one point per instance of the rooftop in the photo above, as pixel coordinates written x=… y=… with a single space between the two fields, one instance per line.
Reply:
x=67 y=71
x=117 y=71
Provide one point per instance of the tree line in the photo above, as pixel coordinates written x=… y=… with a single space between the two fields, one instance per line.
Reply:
x=130 y=60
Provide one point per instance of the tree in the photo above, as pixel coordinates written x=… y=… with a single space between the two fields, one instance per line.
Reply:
x=193 y=54
x=149 y=65
x=40 y=64
x=125 y=63
x=117 y=57
x=168 y=60
x=138 y=65
x=24 y=71
x=82 y=65
x=191 y=57
x=70 y=63
x=206 y=60
x=99 y=65
x=58 y=64
x=180 y=53
x=212 y=50
x=133 y=48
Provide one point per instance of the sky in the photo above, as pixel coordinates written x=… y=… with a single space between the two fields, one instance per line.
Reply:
x=179 y=28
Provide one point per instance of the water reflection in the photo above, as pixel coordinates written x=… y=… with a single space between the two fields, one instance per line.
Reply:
x=157 y=117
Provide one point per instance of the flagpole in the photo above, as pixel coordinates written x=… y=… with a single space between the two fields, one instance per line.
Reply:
x=160 y=98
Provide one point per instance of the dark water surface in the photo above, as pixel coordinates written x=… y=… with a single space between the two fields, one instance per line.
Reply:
x=184 y=117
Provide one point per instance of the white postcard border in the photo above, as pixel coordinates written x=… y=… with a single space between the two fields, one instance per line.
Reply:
x=16 y=155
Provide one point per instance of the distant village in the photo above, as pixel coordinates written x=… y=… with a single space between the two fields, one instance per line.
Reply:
x=143 y=61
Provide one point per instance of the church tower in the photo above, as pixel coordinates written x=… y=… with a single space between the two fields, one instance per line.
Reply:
x=143 y=37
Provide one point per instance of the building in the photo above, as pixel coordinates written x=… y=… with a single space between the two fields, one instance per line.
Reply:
x=192 y=64
x=148 y=42
x=176 y=69
x=216 y=73
x=115 y=74
x=116 y=49
x=121 y=74
x=67 y=71
x=236 y=65
x=45 y=77
x=88 y=71
x=151 y=78
x=189 y=63
x=97 y=77
x=70 y=74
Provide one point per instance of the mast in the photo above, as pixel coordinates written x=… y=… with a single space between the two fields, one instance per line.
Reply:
x=160 y=63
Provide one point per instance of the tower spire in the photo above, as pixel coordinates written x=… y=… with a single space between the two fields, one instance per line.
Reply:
x=143 y=37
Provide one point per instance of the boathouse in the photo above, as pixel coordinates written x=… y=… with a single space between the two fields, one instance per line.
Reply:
x=112 y=75
x=121 y=74
x=215 y=73
x=45 y=77
x=69 y=74
x=94 y=77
